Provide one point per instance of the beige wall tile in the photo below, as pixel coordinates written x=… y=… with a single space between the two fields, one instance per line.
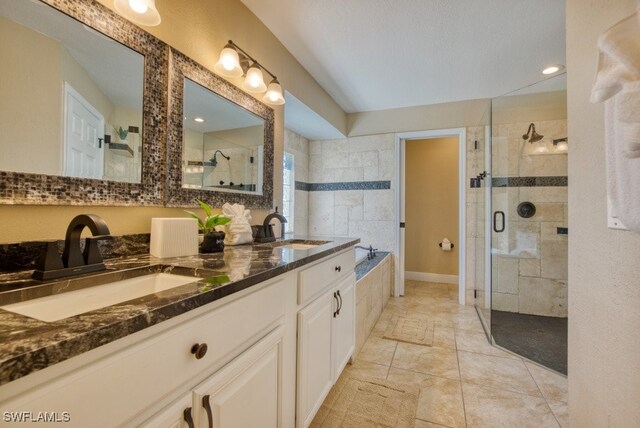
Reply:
x=529 y=267
x=554 y=260
x=540 y=296
x=504 y=302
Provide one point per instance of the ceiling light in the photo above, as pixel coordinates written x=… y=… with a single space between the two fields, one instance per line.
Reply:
x=274 y=93
x=254 y=81
x=552 y=69
x=198 y=119
x=141 y=12
x=229 y=62
x=234 y=62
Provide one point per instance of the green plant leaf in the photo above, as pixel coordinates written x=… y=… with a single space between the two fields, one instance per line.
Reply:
x=205 y=207
x=221 y=220
x=211 y=222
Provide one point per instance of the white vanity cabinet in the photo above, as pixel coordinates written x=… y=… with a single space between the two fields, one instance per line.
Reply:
x=145 y=378
x=326 y=330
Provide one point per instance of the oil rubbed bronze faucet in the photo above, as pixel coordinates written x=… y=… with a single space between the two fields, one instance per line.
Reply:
x=266 y=234
x=74 y=261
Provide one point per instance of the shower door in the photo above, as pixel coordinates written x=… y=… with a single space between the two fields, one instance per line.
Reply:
x=528 y=222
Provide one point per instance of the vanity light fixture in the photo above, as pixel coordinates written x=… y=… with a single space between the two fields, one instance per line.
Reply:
x=198 y=119
x=552 y=69
x=561 y=145
x=254 y=81
x=235 y=62
x=141 y=12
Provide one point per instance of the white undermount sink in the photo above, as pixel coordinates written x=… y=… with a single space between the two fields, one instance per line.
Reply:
x=65 y=305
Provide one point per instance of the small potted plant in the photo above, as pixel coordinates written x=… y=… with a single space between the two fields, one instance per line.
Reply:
x=213 y=241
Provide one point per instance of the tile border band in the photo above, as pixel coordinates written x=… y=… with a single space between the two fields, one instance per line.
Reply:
x=343 y=185
x=556 y=181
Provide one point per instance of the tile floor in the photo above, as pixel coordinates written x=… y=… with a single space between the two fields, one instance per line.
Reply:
x=463 y=381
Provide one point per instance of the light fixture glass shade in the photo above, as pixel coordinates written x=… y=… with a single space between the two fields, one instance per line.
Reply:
x=229 y=63
x=562 y=147
x=254 y=82
x=541 y=148
x=141 y=12
x=274 y=93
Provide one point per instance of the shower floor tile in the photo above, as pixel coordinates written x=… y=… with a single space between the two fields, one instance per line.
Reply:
x=540 y=339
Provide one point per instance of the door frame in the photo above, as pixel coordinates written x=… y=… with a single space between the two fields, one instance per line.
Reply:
x=399 y=215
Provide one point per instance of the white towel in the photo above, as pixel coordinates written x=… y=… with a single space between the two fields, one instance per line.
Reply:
x=238 y=230
x=618 y=85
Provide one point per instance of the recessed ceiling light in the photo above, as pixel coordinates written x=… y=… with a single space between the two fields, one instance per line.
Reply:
x=199 y=119
x=552 y=69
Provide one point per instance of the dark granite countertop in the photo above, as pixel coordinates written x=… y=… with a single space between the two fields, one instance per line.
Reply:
x=365 y=266
x=28 y=345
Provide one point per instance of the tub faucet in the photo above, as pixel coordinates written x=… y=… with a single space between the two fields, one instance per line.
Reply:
x=372 y=252
x=74 y=261
x=268 y=227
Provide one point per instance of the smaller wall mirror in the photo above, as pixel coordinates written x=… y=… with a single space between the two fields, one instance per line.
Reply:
x=223 y=144
x=220 y=140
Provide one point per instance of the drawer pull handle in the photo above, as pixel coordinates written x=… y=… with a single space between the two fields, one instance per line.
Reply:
x=340 y=306
x=207 y=407
x=187 y=417
x=337 y=311
x=199 y=350
x=338 y=268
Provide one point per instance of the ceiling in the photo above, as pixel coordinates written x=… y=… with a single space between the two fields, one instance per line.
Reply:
x=383 y=54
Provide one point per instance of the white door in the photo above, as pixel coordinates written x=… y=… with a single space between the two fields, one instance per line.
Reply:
x=84 y=137
x=315 y=377
x=247 y=392
x=344 y=333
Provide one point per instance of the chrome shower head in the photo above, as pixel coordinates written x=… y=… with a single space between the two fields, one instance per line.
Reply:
x=534 y=135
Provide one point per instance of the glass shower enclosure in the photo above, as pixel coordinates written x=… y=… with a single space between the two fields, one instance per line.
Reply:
x=522 y=232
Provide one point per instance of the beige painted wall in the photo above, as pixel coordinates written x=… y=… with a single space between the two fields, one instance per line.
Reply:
x=420 y=118
x=604 y=274
x=30 y=95
x=431 y=207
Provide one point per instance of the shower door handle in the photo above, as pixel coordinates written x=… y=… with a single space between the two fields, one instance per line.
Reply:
x=495 y=222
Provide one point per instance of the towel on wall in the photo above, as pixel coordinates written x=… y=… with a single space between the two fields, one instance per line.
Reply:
x=238 y=230
x=617 y=84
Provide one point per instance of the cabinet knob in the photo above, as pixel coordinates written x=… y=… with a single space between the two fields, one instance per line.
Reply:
x=338 y=268
x=199 y=350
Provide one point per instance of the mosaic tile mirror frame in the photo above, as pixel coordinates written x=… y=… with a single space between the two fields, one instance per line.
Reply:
x=181 y=68
x=42 y=189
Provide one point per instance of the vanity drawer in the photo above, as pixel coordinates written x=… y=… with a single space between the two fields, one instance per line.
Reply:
x=313 y=280
x=125 y=384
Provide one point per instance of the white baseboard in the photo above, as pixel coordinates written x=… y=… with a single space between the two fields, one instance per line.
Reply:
x=431 y=277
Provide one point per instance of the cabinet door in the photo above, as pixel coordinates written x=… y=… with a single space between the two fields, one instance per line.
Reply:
x=179 y=414
x=344 y=333
x=247 y=392
x=315 y=376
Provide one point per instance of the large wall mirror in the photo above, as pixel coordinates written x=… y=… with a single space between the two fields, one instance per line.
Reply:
x=220 y=140
x=81 y=105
